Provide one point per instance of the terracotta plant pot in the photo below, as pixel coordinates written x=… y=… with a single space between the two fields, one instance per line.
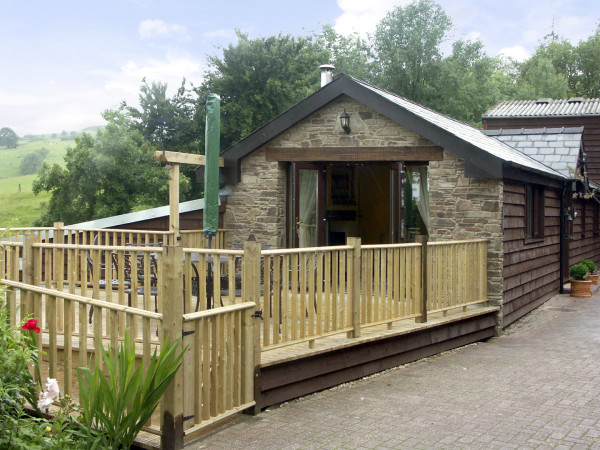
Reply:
x=581 y=288
x=593 y=277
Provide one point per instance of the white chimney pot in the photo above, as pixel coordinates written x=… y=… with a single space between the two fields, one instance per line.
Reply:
x=326 y=74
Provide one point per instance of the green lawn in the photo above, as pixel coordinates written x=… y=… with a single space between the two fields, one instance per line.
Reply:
x=19 y=209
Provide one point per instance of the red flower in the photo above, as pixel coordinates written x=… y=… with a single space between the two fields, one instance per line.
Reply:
x=31 y=324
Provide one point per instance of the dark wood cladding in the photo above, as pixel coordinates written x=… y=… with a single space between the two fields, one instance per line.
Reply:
x=531 y=269
x=585 y=239
x=192 y=220
x=302 y=375
x=591 y=134
x=356 y=154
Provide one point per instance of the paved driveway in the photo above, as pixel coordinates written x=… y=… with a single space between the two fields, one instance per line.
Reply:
x=537 y=386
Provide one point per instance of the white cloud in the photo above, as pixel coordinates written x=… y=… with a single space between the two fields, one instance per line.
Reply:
x=517 y=52
x=360 y=16
x=155 y=29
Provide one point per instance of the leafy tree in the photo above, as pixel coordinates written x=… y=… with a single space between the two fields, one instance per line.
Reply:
x=8 y=138
x=351 y=55
x=538 y=79
x=32 y=162
x=109 y=174
x=257 y=79
x=407 y=49
x=166 y=123
x=587 y=79
x=469 y=83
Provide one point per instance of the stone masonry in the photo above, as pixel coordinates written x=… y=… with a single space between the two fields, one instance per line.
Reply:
x=468 y=208
x=461 y=207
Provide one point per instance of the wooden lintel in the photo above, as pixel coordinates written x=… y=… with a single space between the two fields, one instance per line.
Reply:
x=362 y=154
x=183 y=158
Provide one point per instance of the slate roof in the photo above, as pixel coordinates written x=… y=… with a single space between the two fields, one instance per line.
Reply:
x=483 y=155
x=557 y=148
x=546 y=107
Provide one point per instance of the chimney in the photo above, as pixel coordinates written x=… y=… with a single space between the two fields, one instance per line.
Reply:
x=326 y=74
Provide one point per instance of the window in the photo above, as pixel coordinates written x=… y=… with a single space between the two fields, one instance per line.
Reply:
x=534 y=212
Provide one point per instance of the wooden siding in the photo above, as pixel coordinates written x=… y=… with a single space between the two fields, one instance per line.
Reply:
x=591 y=134
x=191 y=220
x=585 y=243
x=531 y=271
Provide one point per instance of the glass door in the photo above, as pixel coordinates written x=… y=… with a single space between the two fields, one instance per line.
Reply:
x=308 y=205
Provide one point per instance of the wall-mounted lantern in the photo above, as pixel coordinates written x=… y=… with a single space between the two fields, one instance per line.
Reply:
x=345 y=122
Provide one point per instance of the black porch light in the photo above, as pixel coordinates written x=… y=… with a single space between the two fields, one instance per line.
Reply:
x=345 y=121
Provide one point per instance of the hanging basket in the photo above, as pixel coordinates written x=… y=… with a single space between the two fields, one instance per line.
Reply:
x=581 y=288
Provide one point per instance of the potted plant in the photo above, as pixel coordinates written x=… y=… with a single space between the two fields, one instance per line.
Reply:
x=592 y=271
x=580 y=287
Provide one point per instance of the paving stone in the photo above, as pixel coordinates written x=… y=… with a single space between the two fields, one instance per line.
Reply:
x=535 y=387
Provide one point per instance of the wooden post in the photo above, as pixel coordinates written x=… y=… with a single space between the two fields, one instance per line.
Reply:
x=251 y=293
x=174 y=201
x=28 y=273
x=59 y=263
x=422 y=239
x=172 y=324
x=354 y=284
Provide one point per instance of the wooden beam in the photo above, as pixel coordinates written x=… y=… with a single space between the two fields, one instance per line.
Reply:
x=406 y=153
x=183 y=158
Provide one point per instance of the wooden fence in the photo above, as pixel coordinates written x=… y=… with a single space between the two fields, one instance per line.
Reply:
x=227 y=304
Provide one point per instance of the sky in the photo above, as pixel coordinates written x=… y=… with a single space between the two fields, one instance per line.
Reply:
x=65 y=62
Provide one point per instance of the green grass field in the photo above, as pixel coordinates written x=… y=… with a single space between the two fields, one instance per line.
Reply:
x=20 y=209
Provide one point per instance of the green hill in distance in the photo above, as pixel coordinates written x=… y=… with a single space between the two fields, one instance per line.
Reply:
x=19 y=207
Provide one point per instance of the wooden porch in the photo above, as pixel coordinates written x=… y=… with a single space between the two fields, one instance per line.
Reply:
x=288 y=321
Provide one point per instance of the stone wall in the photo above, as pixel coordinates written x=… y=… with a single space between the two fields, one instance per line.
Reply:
x=461 y=207
x=258 y=204
x=467 y=208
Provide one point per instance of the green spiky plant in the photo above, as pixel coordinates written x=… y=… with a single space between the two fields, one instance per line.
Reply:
x=117 y=405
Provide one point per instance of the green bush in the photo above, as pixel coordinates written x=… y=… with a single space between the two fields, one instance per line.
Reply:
x=579 y=271
x=590 y=265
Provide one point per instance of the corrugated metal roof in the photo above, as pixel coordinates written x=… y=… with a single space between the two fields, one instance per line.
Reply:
x=467 y=133
x=573 y=107
x=138 y=216
x=557 y=148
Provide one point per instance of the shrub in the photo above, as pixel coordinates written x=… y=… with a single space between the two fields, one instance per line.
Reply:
x=579 y=271
x=590 y=265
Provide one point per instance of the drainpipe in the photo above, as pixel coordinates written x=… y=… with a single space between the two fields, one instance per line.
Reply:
x=561 y=252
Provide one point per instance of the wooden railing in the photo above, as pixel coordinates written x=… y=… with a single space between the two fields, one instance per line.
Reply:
x=83 y=293
x=82 y=297
x=457 y=274
x=118 y=237
x=315 y=292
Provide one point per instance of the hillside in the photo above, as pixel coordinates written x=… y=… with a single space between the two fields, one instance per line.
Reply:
x=19 y=207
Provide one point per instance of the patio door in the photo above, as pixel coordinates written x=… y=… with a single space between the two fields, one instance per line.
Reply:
x=308 y=205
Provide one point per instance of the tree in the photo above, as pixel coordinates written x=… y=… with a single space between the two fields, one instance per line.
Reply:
x=8 y=138
x=351 y=55
x=109 y=174
x=32 y=162
x=407 y=48
x=257 y=79
x=469 y=83
x=538 y=79
x=587 y=79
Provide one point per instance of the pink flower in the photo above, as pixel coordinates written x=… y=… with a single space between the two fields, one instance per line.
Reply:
x=31 y=324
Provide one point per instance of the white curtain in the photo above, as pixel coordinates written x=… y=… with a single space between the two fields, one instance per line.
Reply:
x=417 y=176
x=307 y=228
